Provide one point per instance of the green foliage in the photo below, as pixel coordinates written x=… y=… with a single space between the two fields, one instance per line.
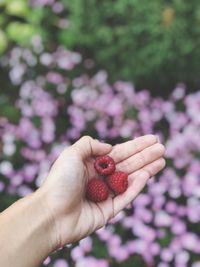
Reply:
x=133 y=40
x=6 y=200
x=138 y=40
x=3 y=41
x=17 y=8
x=18 y=23
x=26 y=32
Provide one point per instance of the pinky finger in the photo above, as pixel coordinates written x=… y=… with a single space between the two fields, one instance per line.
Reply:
x=137 y=181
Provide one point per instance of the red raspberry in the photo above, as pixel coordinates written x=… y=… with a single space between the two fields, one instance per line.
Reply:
x=117 y=182
x=97 y=190
x=104 y=165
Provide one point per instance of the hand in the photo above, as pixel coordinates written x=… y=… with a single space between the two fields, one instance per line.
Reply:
x=64 y=189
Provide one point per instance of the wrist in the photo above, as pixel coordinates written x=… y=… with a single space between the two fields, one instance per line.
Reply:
x=27 y=232
x=48 y=221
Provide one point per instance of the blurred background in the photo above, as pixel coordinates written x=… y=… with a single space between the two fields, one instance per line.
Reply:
x=113 y=70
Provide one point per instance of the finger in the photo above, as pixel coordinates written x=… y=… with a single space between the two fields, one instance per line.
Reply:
x=142 y=158
x=153 y=168
x=125 y=150
x=87 y=146
x=137 y=181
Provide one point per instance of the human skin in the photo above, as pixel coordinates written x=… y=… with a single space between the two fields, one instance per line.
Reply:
x=58 y=212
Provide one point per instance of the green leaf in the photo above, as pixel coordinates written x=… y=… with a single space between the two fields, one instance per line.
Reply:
x=3 y=41
x=21 y=32
x=2 y=2
x=17 y=8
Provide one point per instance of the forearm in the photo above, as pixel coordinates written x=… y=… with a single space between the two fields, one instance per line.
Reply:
x=26 y=234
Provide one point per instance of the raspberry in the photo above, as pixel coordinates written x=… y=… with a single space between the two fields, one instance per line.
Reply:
x=97 y=190
x=117 y=182
x=104 y=165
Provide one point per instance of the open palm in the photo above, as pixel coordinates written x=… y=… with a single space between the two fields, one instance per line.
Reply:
x=75 y=216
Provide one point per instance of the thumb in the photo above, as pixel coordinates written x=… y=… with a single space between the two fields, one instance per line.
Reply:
x=87 y=146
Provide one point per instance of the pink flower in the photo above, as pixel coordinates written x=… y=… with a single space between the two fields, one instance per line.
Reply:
x=77 y=253
x=60 y=263
x=86 y=244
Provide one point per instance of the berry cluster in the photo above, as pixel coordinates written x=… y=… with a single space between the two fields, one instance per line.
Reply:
x=115 y=181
